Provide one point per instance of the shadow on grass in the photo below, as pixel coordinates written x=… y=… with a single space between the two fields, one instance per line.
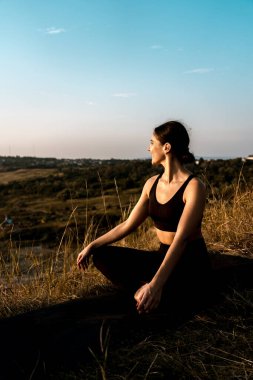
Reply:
x=38 y=344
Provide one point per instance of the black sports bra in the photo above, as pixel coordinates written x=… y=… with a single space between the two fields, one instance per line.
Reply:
x=166 y=216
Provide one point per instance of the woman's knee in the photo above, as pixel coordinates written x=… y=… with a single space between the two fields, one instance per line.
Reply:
x=104 y=257
x=98 y=256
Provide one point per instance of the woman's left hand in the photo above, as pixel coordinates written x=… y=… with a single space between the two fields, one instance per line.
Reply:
x=148 y=298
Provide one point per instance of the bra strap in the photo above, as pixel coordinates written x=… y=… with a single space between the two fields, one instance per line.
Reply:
x=187 y=181
x=153 y=188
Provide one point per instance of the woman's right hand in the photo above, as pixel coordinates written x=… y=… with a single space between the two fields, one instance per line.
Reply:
x=83 y=258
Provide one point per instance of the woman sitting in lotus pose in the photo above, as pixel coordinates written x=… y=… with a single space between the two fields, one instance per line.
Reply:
x=178 y=272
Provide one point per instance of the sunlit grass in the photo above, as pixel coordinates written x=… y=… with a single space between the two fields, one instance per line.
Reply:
x=228 y=223
x=35 y=276
x=215 y=344
x=26 y=174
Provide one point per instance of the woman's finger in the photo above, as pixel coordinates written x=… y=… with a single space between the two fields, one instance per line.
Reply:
x=153 y=305
x=83 y=261
x=86 y=262
x=149 y=302
x=144 y=304
x=139 y=294
x=79 y=258
x=79 y=262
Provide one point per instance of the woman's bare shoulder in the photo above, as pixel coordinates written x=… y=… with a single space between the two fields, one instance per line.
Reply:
x=197 y=182
x=149 y=183
x=195 y=186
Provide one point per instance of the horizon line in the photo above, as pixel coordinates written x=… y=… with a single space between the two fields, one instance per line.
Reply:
x=197 y=157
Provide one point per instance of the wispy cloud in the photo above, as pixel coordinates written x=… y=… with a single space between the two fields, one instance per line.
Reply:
x=53 y=30
x=201 y=70
x=90 y=103
x=156 y=47
x=124 y=94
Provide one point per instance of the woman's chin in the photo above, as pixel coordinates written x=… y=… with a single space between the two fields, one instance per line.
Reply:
x=154 y=163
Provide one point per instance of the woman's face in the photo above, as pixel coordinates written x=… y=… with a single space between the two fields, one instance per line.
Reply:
x=156 y=151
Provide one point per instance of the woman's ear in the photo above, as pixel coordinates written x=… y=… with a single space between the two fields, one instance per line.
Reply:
x=166 y=148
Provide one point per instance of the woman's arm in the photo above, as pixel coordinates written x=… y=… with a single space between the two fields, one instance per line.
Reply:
x=148 y=297
x=137 y=216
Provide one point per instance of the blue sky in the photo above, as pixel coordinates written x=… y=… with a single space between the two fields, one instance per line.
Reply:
x=92 y=78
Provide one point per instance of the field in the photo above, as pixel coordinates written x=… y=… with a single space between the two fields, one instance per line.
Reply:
x=41 y=278
x=24 y=175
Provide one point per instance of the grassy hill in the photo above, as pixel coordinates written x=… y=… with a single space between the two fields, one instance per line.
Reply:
x=52 y=314
x=39 y=195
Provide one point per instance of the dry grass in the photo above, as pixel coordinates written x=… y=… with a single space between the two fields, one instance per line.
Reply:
x=216 y=344
x=228 y=223
x=210 y=346
x=25 y=174
x=36 y=276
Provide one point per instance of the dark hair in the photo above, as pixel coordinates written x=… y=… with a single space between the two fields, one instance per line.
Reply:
x=175 y=133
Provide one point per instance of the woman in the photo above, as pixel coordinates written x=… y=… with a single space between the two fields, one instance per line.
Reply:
x=175 y=200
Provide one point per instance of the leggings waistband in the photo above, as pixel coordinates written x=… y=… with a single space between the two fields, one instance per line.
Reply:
x=163 y=248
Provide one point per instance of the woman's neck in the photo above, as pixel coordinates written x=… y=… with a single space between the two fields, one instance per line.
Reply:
x=173 y=169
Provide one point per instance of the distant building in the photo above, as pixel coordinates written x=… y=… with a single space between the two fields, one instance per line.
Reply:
x=248 y=158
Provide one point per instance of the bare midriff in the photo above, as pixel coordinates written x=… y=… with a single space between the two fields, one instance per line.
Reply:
x=167 y=237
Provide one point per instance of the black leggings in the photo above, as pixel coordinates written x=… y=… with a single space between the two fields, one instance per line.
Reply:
x=130 y=268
